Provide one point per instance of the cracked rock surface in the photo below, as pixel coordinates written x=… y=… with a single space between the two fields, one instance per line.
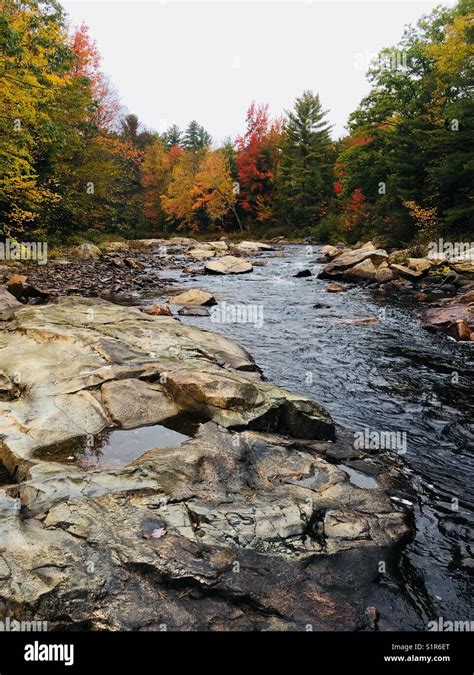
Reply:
x=250 y=525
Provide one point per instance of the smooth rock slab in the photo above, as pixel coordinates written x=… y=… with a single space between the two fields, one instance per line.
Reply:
x=228 y=264
x=193 y=297
x=7 y=300
x=237 y=529
x=73 y=348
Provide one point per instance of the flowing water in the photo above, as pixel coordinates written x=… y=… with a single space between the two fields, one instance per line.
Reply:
x=389 y=375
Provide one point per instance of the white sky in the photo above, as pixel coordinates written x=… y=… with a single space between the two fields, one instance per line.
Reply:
x=175 y=61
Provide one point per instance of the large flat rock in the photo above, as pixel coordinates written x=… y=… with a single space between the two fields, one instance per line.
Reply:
x=240 y=528
x=72 y=348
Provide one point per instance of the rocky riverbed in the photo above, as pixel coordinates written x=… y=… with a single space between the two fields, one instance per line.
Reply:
x=445 y=285
x=266 y=518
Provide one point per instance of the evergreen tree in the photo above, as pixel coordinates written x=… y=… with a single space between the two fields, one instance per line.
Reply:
x=228 y=150
x=196 y=137
x=304 y=178
x=172 y=136
x=204 y=138
x=130 y=126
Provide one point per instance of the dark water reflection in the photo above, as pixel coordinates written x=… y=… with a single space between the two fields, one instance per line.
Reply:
x=111 y=449
x=389 y=376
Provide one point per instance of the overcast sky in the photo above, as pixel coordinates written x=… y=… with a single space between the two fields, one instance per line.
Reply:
x=175 y=61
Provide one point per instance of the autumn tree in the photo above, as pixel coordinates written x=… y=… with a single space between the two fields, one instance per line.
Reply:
x=129 y=128
x=199 y=196
x=156 y=170
x=35 y=60
x=255 y=164
x=214 y=189
x=178 y=201
x=87 y=64
x=419 y=119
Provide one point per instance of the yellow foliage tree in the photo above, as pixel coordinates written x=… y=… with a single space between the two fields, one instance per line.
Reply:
x=34 y=56
x=213 y=187
x=178 y=201
x=200 y=190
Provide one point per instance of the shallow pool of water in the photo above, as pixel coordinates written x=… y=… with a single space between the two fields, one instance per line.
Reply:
x=111 y=449
x=358 y=478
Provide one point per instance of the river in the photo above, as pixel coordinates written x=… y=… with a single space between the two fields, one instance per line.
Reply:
x=386 y=376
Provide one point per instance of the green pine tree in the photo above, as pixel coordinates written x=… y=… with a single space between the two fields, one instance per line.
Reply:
x=304 y=176
x=172 y=136
x=196 y=137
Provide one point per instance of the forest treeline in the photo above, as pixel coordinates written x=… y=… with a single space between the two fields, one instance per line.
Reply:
x=72 y=165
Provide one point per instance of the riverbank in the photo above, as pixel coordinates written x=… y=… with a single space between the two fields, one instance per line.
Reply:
x=442 y=287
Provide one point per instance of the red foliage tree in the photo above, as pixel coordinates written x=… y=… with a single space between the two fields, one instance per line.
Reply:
x=355 y=211
x=254 y=160
x=87 y=64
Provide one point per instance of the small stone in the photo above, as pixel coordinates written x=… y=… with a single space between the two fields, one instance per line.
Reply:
x=195 y=310
x=466 y=298
x=159 y=310
x=330 y=251
x=219 y=245
x=252 y=247
x=200 y=253
x=193 y=297
x=419 y=264
x=303 y=273
x=421 y=297
x=459 y=330
x=17 y=284
x=364 y=270
x=406 y=271
x=384 y=275
x=335 y=288
x=450 y=289
x=86 y=251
